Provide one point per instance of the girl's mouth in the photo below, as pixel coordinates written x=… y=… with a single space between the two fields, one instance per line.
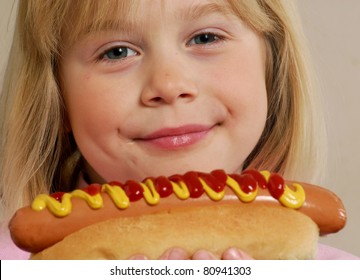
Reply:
x=177 y=137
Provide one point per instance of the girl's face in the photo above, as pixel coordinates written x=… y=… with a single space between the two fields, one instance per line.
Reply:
x=182 y=88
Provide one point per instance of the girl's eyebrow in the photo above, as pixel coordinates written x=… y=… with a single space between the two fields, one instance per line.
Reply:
x=197 y=11
x=122 y=24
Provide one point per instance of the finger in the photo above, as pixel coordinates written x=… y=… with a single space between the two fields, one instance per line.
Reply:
x=235 y=254
x=175 y=254
x=204 y=255
x=138 y=257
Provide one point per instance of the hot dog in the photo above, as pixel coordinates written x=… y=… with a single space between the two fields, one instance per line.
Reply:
x=285 y=217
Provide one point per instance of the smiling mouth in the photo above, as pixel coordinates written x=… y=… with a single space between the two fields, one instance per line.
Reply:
x=175 y=138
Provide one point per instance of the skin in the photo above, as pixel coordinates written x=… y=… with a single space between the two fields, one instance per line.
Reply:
x=180 y=254
x=177 y=91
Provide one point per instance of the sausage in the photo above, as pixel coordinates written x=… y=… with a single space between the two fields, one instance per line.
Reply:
x=61 y=214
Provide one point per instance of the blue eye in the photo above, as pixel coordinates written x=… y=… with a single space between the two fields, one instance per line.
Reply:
x=118 y=53
x=205 y=38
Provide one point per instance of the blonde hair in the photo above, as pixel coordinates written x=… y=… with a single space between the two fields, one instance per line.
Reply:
x=39 y=155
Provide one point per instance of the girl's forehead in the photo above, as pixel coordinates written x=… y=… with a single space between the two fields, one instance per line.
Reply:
x=90 y=16
x=85 y=17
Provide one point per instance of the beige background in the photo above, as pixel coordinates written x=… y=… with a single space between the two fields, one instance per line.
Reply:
x=332 y=28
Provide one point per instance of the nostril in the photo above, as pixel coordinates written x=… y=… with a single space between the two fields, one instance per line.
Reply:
x=157 y=99
x=185 y=95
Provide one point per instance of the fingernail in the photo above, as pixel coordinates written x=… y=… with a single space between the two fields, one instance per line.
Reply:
x=176 y=254
x=203 y=255
x=235 y=254
x=138 y=257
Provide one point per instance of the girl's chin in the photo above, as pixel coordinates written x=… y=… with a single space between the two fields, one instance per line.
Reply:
x=172 y=168
x=157 y=168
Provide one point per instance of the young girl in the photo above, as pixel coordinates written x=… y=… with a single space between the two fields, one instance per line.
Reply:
x=116 y=90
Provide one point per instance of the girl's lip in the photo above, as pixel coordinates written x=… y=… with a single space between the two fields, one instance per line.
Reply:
x=177 y=137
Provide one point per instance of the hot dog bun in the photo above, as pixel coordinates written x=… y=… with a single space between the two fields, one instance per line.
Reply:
x=264 y=232
x=248 y=213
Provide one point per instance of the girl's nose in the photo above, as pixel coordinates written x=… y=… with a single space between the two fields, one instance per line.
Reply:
x=168 y=82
